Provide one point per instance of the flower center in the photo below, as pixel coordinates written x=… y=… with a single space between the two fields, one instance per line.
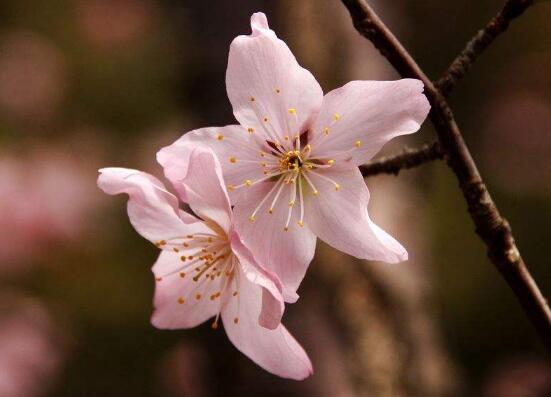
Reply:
x=290 y=161
x=212 y=264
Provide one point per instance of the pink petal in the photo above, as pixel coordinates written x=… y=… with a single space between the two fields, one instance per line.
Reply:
x=272 y=298
x=284 y=253
x=367 y=114
x=237 y=150
x=204 y=189
x=181 y=302
x=340 y=217
x=152 y=210
x=264 y=81
x=274 y=350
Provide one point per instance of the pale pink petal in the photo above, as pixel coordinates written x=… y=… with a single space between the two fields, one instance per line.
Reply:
x=274 y=350
x=238 y=151
x=272 y=298
x=204 y=189
x=152 y=210
x=340 y=217
x=181 y=302
x=269 y=91
x=284 y=253
x=356 y=120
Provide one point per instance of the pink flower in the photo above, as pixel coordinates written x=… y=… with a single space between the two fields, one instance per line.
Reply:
x=204 y=270
x=291 y=164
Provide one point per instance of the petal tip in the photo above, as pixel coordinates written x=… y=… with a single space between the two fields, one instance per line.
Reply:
x=259 y=22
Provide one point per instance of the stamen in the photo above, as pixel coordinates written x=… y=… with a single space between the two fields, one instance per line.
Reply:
x=265 y=198
x=301 y=199
x=249 y=183
x=315 y=191
x=292 y=200
x=337 y=186
x=271 y=209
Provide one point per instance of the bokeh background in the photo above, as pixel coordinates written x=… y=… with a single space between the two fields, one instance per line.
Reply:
x=92 y=83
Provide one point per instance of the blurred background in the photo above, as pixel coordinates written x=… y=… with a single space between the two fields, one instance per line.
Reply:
x=91 y=83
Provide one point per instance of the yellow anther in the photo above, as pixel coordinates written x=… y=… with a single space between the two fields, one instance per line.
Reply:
x=198 y=296
x=265 y=172
x=291 y=203
x=358 y=144
x=175 y=250
x=183 y=258
x=161 y=243
x=252 y=218
x=182 y=274
x=185 y=245
x=315 y=192
x=292 y=111
x=236 y=320
x=253 y=99
x=248 y=182
x=337 y=187
x=231 y=188
x=210 y=240
x=263 y=164
x=270 y=211
x=330 y=162
x=181 y=300
x=286 y=137
x=250 y=130
x=214 y=325
x=262 y=154
x=233 y=160
x=301 y=223
x=337 y=116
x=220 y=137
x=326 y=130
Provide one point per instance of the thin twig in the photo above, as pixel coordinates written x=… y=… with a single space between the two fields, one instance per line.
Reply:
x=409 y=158
x=464 y=61
x=490 y=226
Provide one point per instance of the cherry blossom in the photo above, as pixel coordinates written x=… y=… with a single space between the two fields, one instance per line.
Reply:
x=204 y=269
x=291 y=163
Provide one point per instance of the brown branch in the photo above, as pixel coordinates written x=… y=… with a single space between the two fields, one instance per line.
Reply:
x=464 y=61
x=490 y=226
x=409 y=158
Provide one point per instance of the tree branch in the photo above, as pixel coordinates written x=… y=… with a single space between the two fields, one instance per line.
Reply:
x=409 y=158
x=490 y=226
x=464 y=61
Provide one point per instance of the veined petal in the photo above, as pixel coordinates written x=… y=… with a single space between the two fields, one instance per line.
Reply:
x=240 y=152
x=204 y=188
x=274 y=350
x=181 y=302
x=340 y=218
x=357 y=119
x=152 y=210
x=272 y=296
x=268 y=89
x=284 y=253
